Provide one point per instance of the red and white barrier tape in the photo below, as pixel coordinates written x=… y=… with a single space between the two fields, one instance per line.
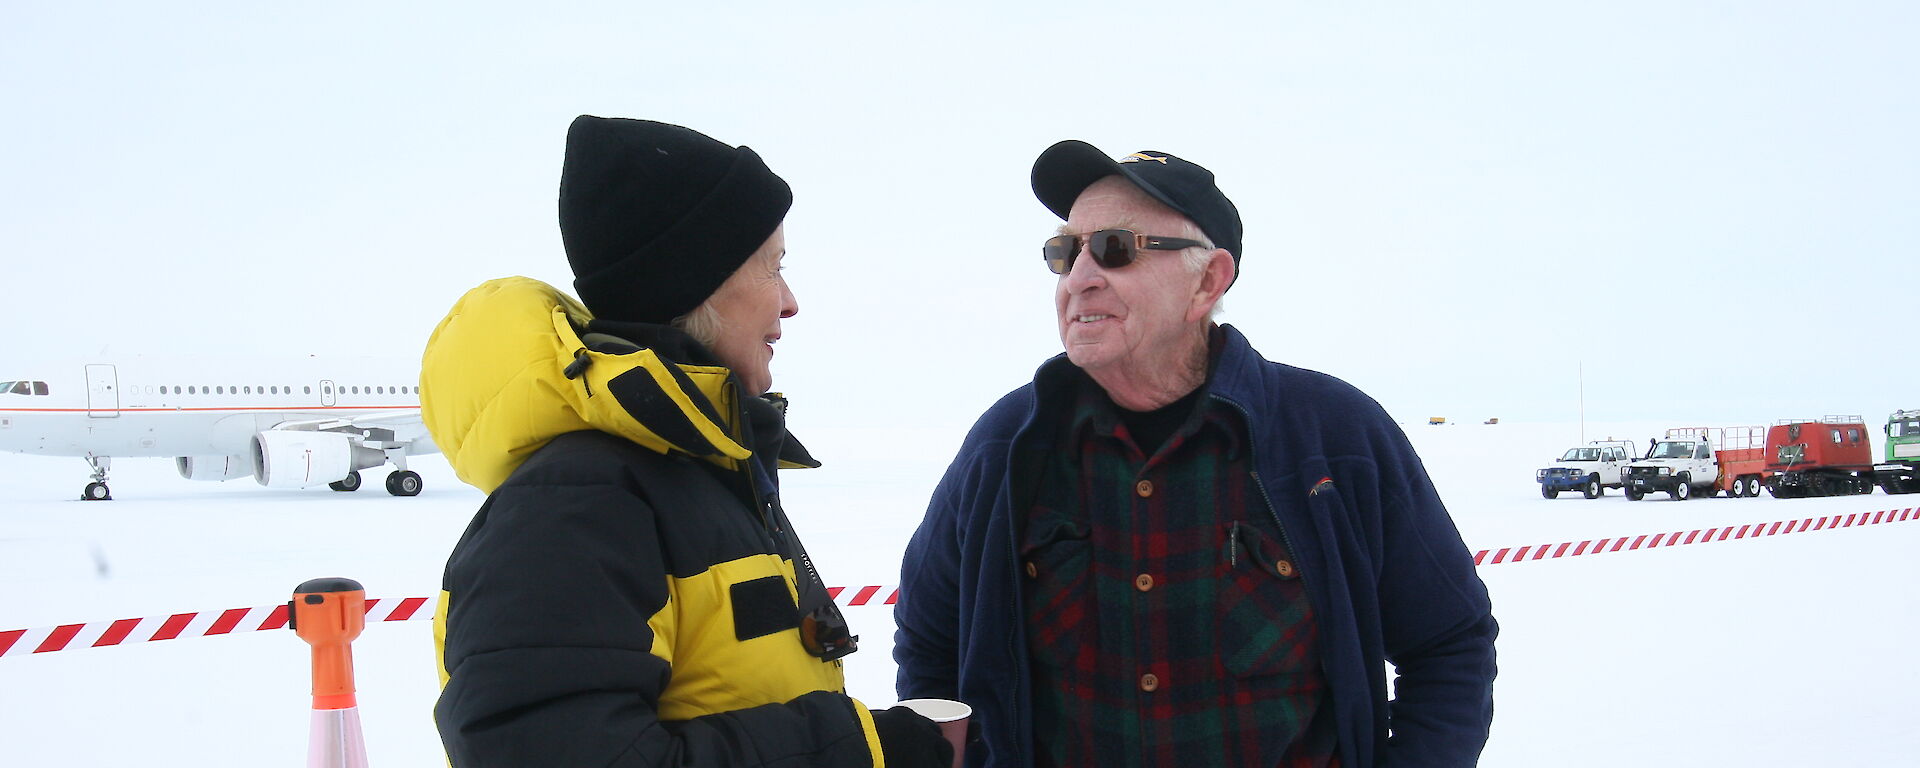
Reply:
x=1695 y=536
x=24 y=642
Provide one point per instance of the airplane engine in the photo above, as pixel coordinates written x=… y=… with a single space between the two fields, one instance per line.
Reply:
x=214 y=468
x=287 y=458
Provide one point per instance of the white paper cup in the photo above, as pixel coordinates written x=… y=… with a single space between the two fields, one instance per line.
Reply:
x=951 y=716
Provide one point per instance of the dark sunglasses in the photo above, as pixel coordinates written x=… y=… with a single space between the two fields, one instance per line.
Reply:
x=824 y=633
x=1111 y=248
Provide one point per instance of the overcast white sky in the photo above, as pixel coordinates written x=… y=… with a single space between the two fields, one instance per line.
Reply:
x=1707 y=206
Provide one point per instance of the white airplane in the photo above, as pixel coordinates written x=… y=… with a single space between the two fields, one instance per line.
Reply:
x=290 y=424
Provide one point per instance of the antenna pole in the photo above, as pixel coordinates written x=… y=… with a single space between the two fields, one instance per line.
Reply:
x=1582 y=374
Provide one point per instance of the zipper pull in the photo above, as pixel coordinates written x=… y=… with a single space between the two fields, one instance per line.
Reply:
x=1233 y=545
x=578 y=368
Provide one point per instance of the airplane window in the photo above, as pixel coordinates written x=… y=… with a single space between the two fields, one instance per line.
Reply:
x=190 y=390
x=176 y=389
x=39 y=387
x=220 y=390
x=356 y=390
x=19 y=388
x=309 y=390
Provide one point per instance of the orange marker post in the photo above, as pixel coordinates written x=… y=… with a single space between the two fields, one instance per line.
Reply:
x=329 y=614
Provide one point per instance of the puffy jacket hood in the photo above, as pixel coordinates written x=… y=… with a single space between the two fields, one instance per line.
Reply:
x=506 y=371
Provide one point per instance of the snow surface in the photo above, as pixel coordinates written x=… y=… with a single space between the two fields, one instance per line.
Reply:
x=1769 y=651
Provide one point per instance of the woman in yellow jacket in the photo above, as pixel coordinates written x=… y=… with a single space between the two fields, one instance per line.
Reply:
x=631 y=592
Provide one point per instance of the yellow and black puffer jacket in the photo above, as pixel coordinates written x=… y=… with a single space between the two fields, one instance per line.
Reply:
x=619 y=599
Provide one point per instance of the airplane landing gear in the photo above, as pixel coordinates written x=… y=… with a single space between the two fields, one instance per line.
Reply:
x=349 y=483
x=97 y=490
x=403 y=483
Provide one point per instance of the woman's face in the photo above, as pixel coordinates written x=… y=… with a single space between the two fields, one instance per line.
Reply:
x=751 y=304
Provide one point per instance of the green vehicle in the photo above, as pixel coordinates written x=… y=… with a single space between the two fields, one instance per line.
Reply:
x=1901 y=472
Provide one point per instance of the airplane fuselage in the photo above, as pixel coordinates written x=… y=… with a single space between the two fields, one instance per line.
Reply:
x=141 y=407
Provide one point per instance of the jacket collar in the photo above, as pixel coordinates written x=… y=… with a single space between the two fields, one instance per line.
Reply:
x=1233 y=373
x=517 y=363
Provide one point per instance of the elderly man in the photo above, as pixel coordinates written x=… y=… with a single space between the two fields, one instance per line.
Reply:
x=1168 y=551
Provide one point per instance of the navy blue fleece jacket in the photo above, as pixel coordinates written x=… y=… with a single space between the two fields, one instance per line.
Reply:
x=1388 y=575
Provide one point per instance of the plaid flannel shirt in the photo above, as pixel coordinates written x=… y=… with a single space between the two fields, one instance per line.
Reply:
x=1167 y=623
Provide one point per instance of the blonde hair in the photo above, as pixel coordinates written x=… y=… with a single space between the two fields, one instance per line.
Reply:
x=704 y=322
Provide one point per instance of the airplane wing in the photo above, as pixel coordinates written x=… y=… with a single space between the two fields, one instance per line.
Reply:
x=391 y=429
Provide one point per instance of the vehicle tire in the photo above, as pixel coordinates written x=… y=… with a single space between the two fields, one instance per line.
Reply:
x=1737 y=488
x=1752 y=486
x=1681 y=490
x=403 y=483
x=1593 y=490
x=349 y=483
x=1634 y=494
x=1547 y=492
x=96 y=492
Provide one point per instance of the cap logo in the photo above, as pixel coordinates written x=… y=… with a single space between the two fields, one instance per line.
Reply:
x=1139 y=156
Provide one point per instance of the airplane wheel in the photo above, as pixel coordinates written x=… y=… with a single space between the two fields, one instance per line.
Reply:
x=403 y=484
x=96 y=492
x=349 y=483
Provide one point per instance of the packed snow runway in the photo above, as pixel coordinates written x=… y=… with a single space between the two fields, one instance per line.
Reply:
x=1786 y=649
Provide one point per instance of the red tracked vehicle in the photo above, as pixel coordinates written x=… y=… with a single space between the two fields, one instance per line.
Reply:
x=1829 y=457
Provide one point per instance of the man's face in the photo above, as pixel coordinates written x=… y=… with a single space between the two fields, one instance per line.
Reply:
x=1130 y=317
x=751 y=304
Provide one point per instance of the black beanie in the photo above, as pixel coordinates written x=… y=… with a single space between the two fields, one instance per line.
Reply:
x=655 y=216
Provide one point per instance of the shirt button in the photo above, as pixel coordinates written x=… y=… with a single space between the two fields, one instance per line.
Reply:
x=1032 y=572
x=1143 y=582
x=1149 y=683
x=1144 y=488
x=1285 y=568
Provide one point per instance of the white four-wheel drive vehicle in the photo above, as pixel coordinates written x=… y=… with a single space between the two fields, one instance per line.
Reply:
x=1680 y=464
x=1589 y=469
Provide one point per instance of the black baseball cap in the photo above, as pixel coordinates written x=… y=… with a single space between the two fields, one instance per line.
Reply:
x=1066 y=169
